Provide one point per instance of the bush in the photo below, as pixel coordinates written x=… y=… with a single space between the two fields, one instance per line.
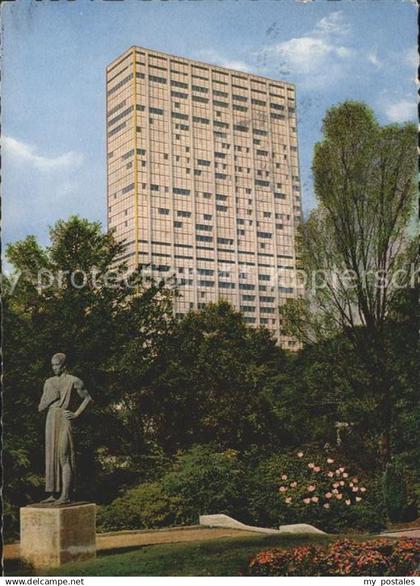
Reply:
x=206 y=481
x=342 y=558
x=202 y=481
x=315 y=488
x=395 y=492
x=146 y=506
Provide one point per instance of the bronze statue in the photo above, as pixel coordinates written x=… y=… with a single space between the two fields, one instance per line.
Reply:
x=58 y=397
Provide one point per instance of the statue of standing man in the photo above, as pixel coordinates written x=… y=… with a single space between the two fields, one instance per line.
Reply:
x=59 y=396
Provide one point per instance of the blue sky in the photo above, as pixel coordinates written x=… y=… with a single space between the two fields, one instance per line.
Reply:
x=54 y=60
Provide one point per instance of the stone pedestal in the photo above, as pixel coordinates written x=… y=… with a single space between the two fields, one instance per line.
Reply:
x=52 y=536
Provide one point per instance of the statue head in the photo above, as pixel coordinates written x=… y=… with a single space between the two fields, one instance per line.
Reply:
x=58 y=363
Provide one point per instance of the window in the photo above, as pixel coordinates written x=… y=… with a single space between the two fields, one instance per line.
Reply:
x=128 y=188
x=181 y=191
x=119 y=84
x=164 y=211
x=157 y=79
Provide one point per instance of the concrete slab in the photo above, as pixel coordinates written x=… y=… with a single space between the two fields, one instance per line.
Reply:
x=229 y=522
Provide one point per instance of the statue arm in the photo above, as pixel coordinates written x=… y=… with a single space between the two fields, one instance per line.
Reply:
x=83 y=394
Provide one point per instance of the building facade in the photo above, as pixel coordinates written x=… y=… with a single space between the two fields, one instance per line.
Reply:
x=203 y=180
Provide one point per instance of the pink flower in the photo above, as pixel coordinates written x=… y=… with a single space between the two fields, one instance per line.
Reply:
x=300 y=454
x=307 y=501
x=293 y=484
x=326 y=506
x=348 y=502
x=315 y=499
x=288 y=500
x=362 y=489
x=330 y=474
x=339 y=496
x=335 y=491
x=282 y=489
x=311 y=465
x=284 y=477
x=336 y=484
x=311 y=487
x=330 y=461
x=317 y=468
x=358 y=499
x=328 y=495
x=355 y=480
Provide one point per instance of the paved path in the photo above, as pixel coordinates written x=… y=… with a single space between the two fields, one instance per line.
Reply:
x=122 y=539
x=413 y=533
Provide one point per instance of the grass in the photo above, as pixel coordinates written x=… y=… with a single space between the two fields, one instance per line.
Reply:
x=217 y=557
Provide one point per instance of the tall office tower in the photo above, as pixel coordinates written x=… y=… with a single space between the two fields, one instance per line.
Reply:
x=203 y=180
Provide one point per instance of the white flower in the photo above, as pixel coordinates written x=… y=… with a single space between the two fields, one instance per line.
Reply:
x=345 y=475
x=293 y=484
x=300 y=454
x=358 y=499
x=326 y=506
x=348 y=502
x=362 y=489
x=307 y=501
x=284 y=477
x=311 y=465
x=315 y=499
x=330 y=474
x=288 y=500
x=282 y=489
x=330 y=461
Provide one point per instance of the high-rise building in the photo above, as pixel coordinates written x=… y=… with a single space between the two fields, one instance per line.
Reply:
x=203 y=180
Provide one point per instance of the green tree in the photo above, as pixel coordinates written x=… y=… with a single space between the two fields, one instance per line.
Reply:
x=72 y=297
x=356 y=249
x=214 y=382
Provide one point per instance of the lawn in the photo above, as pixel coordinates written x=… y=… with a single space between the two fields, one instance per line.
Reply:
x=220 y=557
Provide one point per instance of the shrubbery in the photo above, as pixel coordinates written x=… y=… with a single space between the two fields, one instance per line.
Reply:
x=146 y=506
x=279 y=490
x=316 y=488
x=342 y=558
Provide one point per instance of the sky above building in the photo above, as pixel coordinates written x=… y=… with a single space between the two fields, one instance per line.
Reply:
x=55 y=55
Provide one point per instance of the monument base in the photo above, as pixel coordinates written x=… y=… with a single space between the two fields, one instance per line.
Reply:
x=52 y=536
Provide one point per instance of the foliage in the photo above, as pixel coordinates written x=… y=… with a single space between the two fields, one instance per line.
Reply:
x=213 y=382
x=147 y=506
x=342 y=558
x=98 y=325
x=395 y=492
x=357 y=252
x=318 y=489
x=207 y=481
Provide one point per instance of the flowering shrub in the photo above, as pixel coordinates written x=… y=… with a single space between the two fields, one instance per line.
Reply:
x=324 y=484
x=314 y=487
x=342 y=558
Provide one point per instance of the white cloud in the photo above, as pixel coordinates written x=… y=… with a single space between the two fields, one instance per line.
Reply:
x=306 y=54
x=411 y=57
x=373 y=58
x=319 y=57
x=22 y=152
x=333 y=24
x=401 y=111
x=217 y=58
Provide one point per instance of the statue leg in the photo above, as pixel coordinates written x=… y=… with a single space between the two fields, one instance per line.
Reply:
x=49 y=499
x=66 y=470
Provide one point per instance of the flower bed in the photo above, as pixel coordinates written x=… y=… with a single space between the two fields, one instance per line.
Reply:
x=379 y=557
